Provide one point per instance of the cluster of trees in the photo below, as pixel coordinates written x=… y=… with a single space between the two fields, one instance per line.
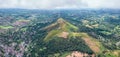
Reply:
x=59 y=45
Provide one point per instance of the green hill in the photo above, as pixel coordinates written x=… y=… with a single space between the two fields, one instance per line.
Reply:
x=60 y=28
x=65 y=30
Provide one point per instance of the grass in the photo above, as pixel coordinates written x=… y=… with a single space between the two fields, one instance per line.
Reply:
x=116 y=53
x=93 y=43
x=51 y=34
x=110 y=54
x=74 y=34
x=6 y=27
x=66 y=26
x=71 y=27
x=65 y=54
x=62 y=26
x=24 y=29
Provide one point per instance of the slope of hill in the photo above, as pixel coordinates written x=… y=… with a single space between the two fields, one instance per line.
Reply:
x=60 y=28
x=65 y=30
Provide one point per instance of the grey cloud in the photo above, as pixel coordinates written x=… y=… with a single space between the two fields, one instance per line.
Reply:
x=53 y=4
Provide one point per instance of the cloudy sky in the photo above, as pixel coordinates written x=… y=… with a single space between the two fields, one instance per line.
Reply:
x=58 y=4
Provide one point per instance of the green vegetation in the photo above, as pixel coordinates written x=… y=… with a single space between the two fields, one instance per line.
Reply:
x=24 y=29
x=52 y=34
x=6 y=27
x=65 y=54
x=110 y=55
x=57 y=33
x=63 y=26
x=106 y=33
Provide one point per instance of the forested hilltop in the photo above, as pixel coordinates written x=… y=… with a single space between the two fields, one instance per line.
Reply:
x=59 y=33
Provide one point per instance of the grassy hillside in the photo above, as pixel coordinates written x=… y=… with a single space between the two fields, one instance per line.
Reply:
x=64 y=29
x=59 y=27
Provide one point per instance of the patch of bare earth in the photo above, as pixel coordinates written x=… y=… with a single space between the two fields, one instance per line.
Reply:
x=79 y=54
x=92 y=44
x=117 y=53
x=64 y=35
x=19 y=23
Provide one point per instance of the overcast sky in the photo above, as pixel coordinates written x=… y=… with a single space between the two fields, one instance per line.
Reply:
x=58 y=4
